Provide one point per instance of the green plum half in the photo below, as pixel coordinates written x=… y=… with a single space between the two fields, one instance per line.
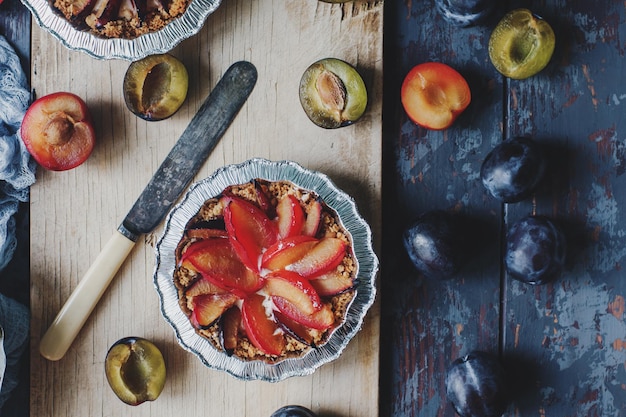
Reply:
x=332 y=93
x=155 y=87
x=135 y=370
x=521 y=44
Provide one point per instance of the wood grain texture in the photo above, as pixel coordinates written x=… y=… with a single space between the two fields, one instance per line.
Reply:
x=562 y=343
x=435 y=322
x=570 y=335
x=74 y=213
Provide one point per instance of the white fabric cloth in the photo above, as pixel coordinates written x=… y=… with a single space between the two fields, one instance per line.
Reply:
x=17 y=168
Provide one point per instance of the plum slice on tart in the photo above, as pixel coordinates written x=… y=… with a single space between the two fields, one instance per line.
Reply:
x=249 y=229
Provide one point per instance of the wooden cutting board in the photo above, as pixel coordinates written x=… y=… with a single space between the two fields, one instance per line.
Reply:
x=74 y=213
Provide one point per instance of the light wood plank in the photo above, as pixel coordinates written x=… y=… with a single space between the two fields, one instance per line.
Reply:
x=74 y=213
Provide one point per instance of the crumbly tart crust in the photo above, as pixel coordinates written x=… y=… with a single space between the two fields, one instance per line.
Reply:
x=128 y=22
x=295 y=347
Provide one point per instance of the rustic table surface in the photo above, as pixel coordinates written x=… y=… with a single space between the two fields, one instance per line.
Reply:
x=563 y=344
x=74 y=213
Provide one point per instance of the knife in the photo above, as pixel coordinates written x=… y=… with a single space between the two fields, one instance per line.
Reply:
x=165 y=187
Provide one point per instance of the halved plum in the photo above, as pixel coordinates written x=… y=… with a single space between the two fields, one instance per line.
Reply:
x=155 y=87
x=521 y=44
x=321 y=319
x=332 y=93
x=295 y=289
x=218 y=262
x=58 y=131
x=250 y=230
x=135 y=370
x=290 y=217
x=434 y=94
x=262 y=330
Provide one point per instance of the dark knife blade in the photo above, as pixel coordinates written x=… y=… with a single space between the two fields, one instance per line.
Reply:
x=191 y=150
x=165 y=187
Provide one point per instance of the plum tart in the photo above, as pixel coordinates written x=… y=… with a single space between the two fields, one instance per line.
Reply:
x=265 y=271
x=125 y=19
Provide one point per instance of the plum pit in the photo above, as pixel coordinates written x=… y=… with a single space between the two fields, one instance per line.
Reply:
x=58 y=131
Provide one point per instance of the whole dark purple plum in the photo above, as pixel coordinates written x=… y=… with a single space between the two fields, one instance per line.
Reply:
x=465 y=12
x=293 y=411
x=513 y=169
x=476 y=386
x=535 y=250
x=435 y=244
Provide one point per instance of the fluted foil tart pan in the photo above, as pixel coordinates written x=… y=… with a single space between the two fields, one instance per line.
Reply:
x=157 y=42
x=336 y=199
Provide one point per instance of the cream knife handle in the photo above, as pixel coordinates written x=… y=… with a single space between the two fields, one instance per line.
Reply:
x=84 y=298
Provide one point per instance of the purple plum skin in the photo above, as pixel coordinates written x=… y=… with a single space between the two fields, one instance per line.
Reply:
x=476 y=386
x=535 y=250
x=513 y=169
x=434 y=244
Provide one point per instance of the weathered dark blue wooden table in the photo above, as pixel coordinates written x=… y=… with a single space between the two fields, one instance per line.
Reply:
x=564 y=344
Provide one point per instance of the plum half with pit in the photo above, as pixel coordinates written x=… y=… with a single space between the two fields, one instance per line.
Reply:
x=58 y=131
x=476 y=385
x=135 y=370
x=155 y=87
x=535 y=250
x=521 y=44
x=332 y=93
x=436 y=244
x=513 y=169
